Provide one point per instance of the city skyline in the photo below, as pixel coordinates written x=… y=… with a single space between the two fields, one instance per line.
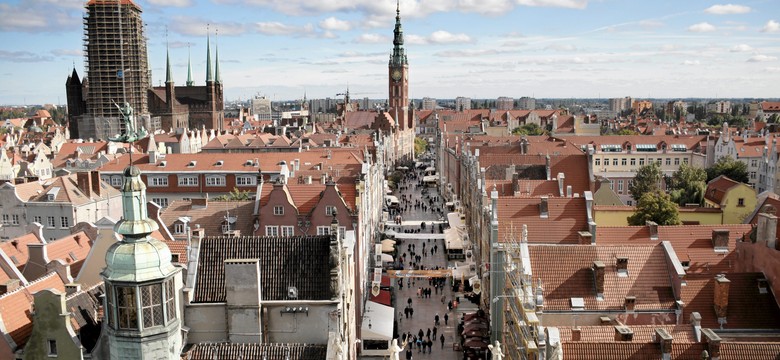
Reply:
x=541 y=48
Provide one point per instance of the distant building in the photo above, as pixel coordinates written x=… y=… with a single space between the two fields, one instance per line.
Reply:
x=719 y=107
x=620 y=104
x=640 y=106
x=505 y=103
x=527 y=103
x=261 y=108
x=428 y=103
x=462 y=103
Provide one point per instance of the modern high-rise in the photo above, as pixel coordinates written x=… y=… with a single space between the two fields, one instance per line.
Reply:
x=505 y=103
x=526 y=103
x=462 y=103
x=428 y=103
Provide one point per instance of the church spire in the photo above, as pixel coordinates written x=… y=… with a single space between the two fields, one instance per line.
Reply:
x=189 y=67
x=209 y=78
x=399 y=57
x=217 y=78
x=168 y=72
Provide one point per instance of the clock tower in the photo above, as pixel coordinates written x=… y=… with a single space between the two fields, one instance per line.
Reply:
x=398 y=77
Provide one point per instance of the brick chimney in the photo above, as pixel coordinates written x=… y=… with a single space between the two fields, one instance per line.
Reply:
x=201 y=203
x=623 y=333
x=712 y=340
x=96 y=189
x=544 y=206
x=84 y=181
x=629 y=303
x=598 y=278
x=72 y=288
x=664 y=340
x=720 y=239
x=721 y=301
x=9 y=285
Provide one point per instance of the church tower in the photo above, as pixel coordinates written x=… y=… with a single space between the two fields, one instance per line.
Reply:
x=142 y=286
x=398 y=76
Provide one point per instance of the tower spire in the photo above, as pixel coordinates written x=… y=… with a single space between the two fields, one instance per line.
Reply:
x=168 y=72
x=217 y=78
x=209 y=78
x=189 y=66
x=399 y=57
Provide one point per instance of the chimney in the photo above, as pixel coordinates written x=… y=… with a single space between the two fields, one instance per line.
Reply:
x=71 y=289
x=242 y=300
x=575 y=334
x=696 y=323
x=721 y=298
x=720 y=239
x=96 y=189
x=84 y=181
x=605 y=320
x=544 y=208
x=763 y=285
x=712 y=340
x=524 y=146
x=568 y=191
x=516 y=184
x=8 y=286
x=547 y=166
x=766 y=229
x=153 y=157
x=629 y=303
x=561 y=178
x=621 y=265
x=653 y=227
x=623 y=333
x=598 y=278
x=664 y=340
x=200 y=203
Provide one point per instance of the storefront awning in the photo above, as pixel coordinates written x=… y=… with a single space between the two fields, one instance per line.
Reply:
x=430 y=178
x=452 y=240
x=387 y=246
x=380 y=318
x=386 y=258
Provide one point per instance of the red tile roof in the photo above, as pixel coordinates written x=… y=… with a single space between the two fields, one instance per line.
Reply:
x=692 y=243
x=770 y=106
x=566 y=272
x=749 y=350
x=747 y=308
x=718 y=187
x=566 y=216
x=16 y=307
x=251 y=351
x=71 y=250
x=210 y=218
x=17 y=248
x=642 y=333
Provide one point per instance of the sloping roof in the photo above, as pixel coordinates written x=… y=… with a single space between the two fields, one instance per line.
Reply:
x=629 y=350
x=69 y=191
x=642 y=333
x=253 y=351
x=17 y=248
x=83 y=305
x=71 y=250
x=300 y=261
x=210 y=218
x=359 y=119
x=718 y=187
x=747 y=307
x=566 y=216
x=571 y=276
x=770 y=106
x=16 y=307
x=692 y=243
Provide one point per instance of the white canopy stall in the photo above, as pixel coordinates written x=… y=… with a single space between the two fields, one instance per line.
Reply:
x=377 y=329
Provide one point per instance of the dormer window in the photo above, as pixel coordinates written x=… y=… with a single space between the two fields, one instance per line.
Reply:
x=192 y=163
x=162 y=163
x=219 y=163
x=178 y=228
x=51 y=195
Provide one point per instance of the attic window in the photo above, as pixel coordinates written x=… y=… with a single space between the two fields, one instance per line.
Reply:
x=248 y=163
x=611 y=148
x=73 y=256
x=162 y=163
x=192 y=163
x=578 y=304
x=685 y=264
x=52 y=194
x=679 y=147
x=219 y=163
x=646 y=147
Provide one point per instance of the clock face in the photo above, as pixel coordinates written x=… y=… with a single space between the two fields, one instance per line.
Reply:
x=396 y=75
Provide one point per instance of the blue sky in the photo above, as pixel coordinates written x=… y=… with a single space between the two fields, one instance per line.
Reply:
x=476 y=48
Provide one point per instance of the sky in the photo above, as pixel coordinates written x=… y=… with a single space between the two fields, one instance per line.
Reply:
x=474 y=48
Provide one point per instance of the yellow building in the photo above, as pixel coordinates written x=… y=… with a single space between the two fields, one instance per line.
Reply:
x=735 y=199
x=606 y=215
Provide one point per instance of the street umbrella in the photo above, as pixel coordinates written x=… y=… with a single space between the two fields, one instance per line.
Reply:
x=475 y=326
x=475 y=322
x=475 y=333
x=475 y=343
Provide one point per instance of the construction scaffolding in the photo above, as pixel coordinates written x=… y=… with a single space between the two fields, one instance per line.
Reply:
x=522 y=324
x=116 y=73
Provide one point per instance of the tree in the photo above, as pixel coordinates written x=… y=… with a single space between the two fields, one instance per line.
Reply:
x=234 y=195
x=733 y=169
x=419 y=146
x=528 y=129
x=774 y=119
x=655 y=206
x=646 y=180
x=687 y=185
x=624 y=131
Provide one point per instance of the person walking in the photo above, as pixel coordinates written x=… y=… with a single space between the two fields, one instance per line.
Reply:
x=446 y=319
x=434 y=331
x=441 y=338
x=436 y=319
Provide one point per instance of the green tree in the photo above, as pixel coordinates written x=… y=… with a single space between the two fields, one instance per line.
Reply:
x=528 y=129
x=419 y=146
x=687 y=185
x=624 y=132
x=655 y=206
x=646 y=180
x=234 y=195
x=733 y=169
x=774 y=119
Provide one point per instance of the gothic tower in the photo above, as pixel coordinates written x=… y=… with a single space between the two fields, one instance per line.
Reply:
x=398 y=77
x=142 y=286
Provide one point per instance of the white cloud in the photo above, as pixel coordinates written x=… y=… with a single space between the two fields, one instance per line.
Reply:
x=444 y=37
x=23 y=56
x=466 y=53
x=574 y=4
x=40 y=16
x=68 y=52
x=691 y=62
x=186 y=25
x=761 y=58
x=372 y=39
x=333 y=24
x=771 y=26
x=174 y=3
x=415 y=39
x=772 y=69
x=742 y=48
x=727 y=9
x=561 y=47
x=277 y=28
x=702 y=27
x=651 y=24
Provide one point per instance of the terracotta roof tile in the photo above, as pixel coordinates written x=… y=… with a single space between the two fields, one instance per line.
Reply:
x=749 y=351
x=17 y=248
x=16 y=307
x=252 y=351
x=642 y=333
x=71 y=250
x=630 y=350
x=566 y=273
x=747 y=308
x=717 y=188
x=566 y=216
x=292 y=261
x=211 y=217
